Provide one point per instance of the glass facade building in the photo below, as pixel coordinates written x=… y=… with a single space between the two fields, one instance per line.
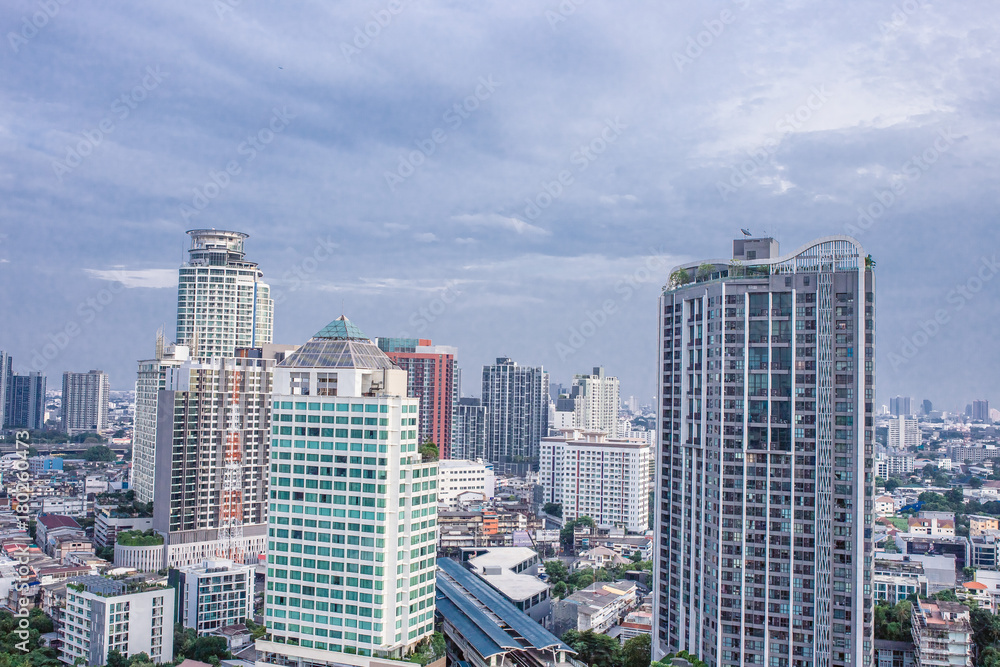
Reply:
x=765 y=488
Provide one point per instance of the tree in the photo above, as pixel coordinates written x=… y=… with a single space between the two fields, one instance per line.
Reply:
x=637 y=651
x=593 y=649
x=929 y=471
x=205 y=648
x=555 y=509
x=116 y=659
x=893 y=622
x=976 y=483
x=942 y=479
x=559 y=590
x=636 y=557
x=891 y=484
x=99 y=453
x=947 y=595
x=429 y=451
x=556 y=570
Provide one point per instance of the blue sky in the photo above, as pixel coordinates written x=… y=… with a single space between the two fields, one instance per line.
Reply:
x=495 y=175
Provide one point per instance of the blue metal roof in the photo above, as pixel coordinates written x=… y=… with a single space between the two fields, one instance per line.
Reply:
x=521 y=623
x=470 y=631
x=476 y=615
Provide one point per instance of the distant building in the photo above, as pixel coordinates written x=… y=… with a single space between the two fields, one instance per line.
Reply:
x=894 y=654
x=517 y=415
x=25 y=401
x=942 y=633
x=885 y=505
x=432 y=376
x=931 y=525
x=469 y=441
x=980 y=524
x=85 y=402
x=213 y=594
x=981 y=411
x=6 y=371
x=108 y=523
x=972 y=453
x=894 y=463
x=927 y=407
x=895 y=580
x=899 y=406
x=102 y=615
x=598 y=400
x=458 y=479
x=593 y=475
x=903 y=433
x=597 y=607
x=43 y=465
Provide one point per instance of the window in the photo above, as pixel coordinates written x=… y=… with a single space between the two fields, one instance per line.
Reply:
x=300 y=384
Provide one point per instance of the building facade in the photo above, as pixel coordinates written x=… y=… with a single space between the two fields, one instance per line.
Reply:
x=25 y=401
x=469 y=441
x=904 y=432
x=593 y=475
x=102 y=615
x=942 y=634
x=516 y=399
x=352 y=525
x=213 y=594
x=432 y=377
x=981 y=410
x=85 y=402
x=899 y=406
x=6 y=370
x=765 y=485
x=459 y=478
x=223 y=302
x=599 y=397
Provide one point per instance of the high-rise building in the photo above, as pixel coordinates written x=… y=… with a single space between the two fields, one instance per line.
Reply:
x=981 y=410
x=223 y=302
x=213 y=594
x=470 y=430
x=5 y=373
x=431 y=376
x=904 y=432
x=25 y=401
x=593 y=475
x=85 y=402
x=352 y=520
x=927 y=407
x=190 y=443
x=102 y=615
x=765 y=486
x=899 y=406
x=517 y=415
x=597 y=407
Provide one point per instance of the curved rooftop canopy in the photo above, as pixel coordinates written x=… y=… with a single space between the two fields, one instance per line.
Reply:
x=340 y=344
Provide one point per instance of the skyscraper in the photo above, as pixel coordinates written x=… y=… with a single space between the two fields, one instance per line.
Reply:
x=5 y=373
x=927 y=406
x=222 y=301
x=470 y=430
x=85 y=402
x=899 y=406
x=516 y=399
x=981 y=410
x=597 y=407
x=903 y=433
x=352 y=522
x=25 y=401
x=765 y=484
x=431 y=376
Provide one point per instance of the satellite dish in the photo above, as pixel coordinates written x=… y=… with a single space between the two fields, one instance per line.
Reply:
x=746 y=232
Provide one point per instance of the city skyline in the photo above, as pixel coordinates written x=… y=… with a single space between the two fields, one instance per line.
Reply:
x=690 y=143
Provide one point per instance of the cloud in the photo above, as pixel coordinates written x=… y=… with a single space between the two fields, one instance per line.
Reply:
x=612 y=200
x=153 y=278
x=425 y=237
x=497 y=221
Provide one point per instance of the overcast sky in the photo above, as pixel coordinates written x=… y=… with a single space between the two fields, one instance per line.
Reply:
x=494 y=175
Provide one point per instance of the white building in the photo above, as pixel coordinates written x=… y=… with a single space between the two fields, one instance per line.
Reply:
x=214 y=594
x=597 y=409
x=593 y=475
x=353 y=521
x=463 y=478
x=942 y=633
x=904 y=432
x=103 y=614
x=85 y=402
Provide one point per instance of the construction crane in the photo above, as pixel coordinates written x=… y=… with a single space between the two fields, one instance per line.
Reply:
x=230 y=544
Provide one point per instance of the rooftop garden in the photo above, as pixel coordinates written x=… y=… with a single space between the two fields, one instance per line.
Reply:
x=139 y=538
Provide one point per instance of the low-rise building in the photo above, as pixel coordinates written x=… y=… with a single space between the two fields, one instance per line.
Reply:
x=462 y=481
x=108 y=523
x=885 y=505
x=895 y=580
x=213 y=595
x=894 y=654
x=513 y=573
x=597 y=607
x=942 y=633
x=979 y=524
x=985 y=549
x=912 y=544
x=931 y=525
x=103 y=614
x=940 y=570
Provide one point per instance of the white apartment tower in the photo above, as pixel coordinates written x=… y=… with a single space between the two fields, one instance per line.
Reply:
x=764 y=499
x=593 y=475
x=85 y=402
x=597 y=407
x=352 y=520
x=904 y=432
x=222 y=301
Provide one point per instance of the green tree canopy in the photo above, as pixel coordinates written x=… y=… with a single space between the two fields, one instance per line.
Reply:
x=593 y=649
x=637 y=651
